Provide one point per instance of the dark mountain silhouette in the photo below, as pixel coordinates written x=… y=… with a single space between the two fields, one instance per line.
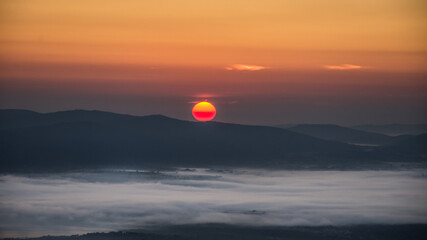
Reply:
x=80 y=139
x=93 y=138
x=286 y=125
x=231 y=232
x=415 y=147
x=344 y=134
x=394 y=129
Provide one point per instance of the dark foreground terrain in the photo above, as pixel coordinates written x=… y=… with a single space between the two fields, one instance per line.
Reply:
x=218 y=231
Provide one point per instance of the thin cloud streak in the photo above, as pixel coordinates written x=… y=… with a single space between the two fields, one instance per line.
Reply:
x=343 y=67
x=244 y=67
x=206 y=95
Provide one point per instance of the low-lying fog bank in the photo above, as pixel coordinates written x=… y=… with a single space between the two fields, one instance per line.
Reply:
x=81 y=202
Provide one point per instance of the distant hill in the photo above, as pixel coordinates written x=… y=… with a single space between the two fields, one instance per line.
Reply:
x=414 y=147
x=344 y=134
x=234 y=232
x=86 y=139
x=92 y=139
x=394 y=129
x=286 y=126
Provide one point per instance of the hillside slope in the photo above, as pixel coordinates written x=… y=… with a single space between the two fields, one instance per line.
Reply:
x=93 y=138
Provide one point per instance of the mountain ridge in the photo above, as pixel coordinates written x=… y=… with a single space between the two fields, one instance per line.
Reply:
x=87 y=139
x=394 y=129
x=343 y=134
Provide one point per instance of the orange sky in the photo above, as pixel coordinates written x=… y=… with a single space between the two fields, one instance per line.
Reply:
x=55 y=51
x=305 y=34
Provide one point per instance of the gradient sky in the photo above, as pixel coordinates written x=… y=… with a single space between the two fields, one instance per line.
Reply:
x=259 y=62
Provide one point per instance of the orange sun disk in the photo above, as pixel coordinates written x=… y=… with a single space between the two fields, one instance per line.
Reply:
x=204 y=111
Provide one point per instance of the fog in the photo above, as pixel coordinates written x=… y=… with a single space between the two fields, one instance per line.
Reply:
x=110 y=200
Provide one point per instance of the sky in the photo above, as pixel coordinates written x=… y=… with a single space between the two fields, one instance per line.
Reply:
x=258 y=62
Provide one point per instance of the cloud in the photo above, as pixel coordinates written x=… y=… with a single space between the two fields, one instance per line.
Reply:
x=343 y=67
x=208 y=95
x=204 y=97
x=217 y=101
x=244 y=67
x=70 y=203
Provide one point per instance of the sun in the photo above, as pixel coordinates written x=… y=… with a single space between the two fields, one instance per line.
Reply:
x=204 y=111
